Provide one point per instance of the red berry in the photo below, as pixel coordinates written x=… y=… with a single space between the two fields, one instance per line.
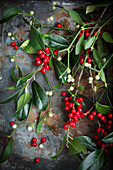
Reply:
x=43 y=140
x=59 y=25
x=73 y=110
x=74 y=124
x=47 y=52
x=81 y=60
x=45 y=60
x=98 y=142
x=65 y=126
x=100 y=32
x=79 y=106
x=110 y=144
x=99 y=114
x=67 y=122
x=98 y=130
x=43 y=70
x=34 y=144
x=80 y=33
x=96 y=137
x=109 y=122
x=81 y=56
x=13 y=44
x=71 y=123
x=40 y=52
x=37 y=160
x=38 y=62
x=89 y=60
x=46 y=49
x=46 y=66
x=80 y=99
x=75 y=118
x=70 y=105
x=37 y=58
x=91 y=117
x=12 y=123
x=42 y=56
x=89 y=50
x=86 y=34
x=105 y=133
x=82 y=115
x=55 y=52
x=79 y=110
x=87 y=30
x=110 y=115
x=102 y=131
x=70 y=115
x=78 y=115
x=34 y=140
x=102 y=118
x=63 y=93
x=106 y=150
x=66 y=103
x=108 y=127
x=77 y=100
x=65 y=99
x=103 y=145
x=70 y=98
x=66 y=108
x=93 y=113
x=15 y=47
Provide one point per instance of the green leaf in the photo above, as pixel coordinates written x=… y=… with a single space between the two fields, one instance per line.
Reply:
x=40 y=99
x=103 y=108
x=97 y=58
x=76 y=147
x=9 y=14
x=56 y=42
x=76 y=103
x=60 y=68
x=31 y=50
x=75 y=16
x=102 y=75
x=100 y=47
x=85 y=97
x=82 y=14
x=107 y=37
x=13 y=74
x=80 y=88
x=23 y=100
x=39 y=125
x=89 y=42
x=109 y=62
x=93 y=161
x=3 y=134
x=79 y=44
x=20 y=72
x=58 y=85
x=108 y=138
x=91 y=8
x=36 y=39
x=7 y=151
x=63 y=142
x=87 y=141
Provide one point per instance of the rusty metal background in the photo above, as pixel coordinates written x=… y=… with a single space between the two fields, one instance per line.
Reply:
x=23 y=154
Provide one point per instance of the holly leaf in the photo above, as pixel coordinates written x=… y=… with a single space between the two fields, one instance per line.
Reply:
x=75 y=17
x=89 y=42
x=108 y=138
x=107 y=37
x=87 y=141
x=36 y=39
x=56 y=42
x=103 y=108
x=40 y=99
x=63 y=142
x=76 y=147
x=93 y=161
x=7 y=151
x=97 y=58
x=60 y=69
x=79 y=44
x=100 y=47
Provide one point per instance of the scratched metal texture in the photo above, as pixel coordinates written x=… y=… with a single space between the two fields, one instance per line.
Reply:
x=23 y=154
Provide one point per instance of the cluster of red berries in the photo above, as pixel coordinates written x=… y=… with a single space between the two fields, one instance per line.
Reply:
x=81 y=60
x=75 y=113
x=43 y=58
x=13 y=44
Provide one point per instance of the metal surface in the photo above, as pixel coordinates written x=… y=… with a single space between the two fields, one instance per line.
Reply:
x=23 y=154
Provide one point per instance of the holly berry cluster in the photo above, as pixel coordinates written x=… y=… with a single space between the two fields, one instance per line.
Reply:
x=13 y=44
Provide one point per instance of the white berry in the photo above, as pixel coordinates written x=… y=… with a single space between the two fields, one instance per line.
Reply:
x=71 y=88
x=68 y=80
x=13 y=38
x=51 y=18
x=41 y=146
x=31 y=12
x=90 y=78
x=89 y=65
x=14 y=126
x=50 y=93
x=54 y=7
x=51 y=114
x=9 y=34
x=72 y=79
x=90 y=81
x=95 y=88
x=12 y=60
x=69 y=76
x=48 y=19
x=47 y=92
x=30 y=128
x=86 y=64
x=59 y=58
x=54 y=3
x=68 y=71
x=97 y=77
x=77 y=26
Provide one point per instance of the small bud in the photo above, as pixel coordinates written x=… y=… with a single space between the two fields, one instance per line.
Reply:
x=69 y=76
x=13 y=38
x=97 y=77
x=68 y=80
x=86 y=64
x=51 y=18
x=12 y=60
x=47 y=92
x=14 y=126
x=30 y=128
x=71 y=88
x=54 y=3
x=72 y=79
x=54 y=7
x=48 y=19
x=78 y=26
x=41 y=146
x=50 y=93
x=9 y=34
x=90 y=78
x=104 y=60
x=31 y=12
x=59 y=58
x=74 y=23
x=51 y=114
x=68 y=71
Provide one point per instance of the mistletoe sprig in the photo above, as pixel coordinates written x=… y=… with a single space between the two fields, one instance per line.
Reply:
x=84 y=54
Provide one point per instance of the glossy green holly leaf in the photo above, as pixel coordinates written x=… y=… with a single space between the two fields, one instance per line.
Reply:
x=60 y=69
x=56 y=42
x=13 y=74
x=91 y=8
x=79 y=44
x=82 y=13
x=88 y=142
x=63 y=142
x=9 y=14
x=89 y=42
x=100 y=47
x=80 y=88
x=7 y=152
x=40 y=99
x=58 y=85
x=36 y=39
x=93 y=161
x=107 y=37
x=102 y=75
x=104 y=109
x=76 y=147
x=108 y=138
x=75 y=17
x=97 y=58
x=39 y=126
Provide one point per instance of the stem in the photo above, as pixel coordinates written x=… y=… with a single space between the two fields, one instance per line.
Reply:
x=47 y=81
x=92 y=86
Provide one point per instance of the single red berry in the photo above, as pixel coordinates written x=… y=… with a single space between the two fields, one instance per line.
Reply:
x=105 y=133
x=59 y=25
x=74 y=124
x=81 y=60
x=102 y=118
x=89 y=50
x=98 y=130
x=47 y=52
x=37 y=160
x=78 y=116
x=34 y=140
x=70 y=98
x=42 y=56
x=66 y=108
x=75 y=118
x=34 y=144
x=96 y=137
x=66 y=103
x=65 y=99
x=15 y=47
x=43 y=140
x=91 y=117
x=98 y=142
x=108 y=127
x=70 y=105
x=71 y=123
x=65 y=126
x=110 y=144
x=12 y=123
x=46 y=66
x=45 y=60
x=37 y=62
x=13 y=44
x=86 y=34
x=109 y=122
x=43 y=70
x=79 y=110
x=110 y=115
x=63 y=93
x=81 y=56
x=82 y=115
x=100 y=32
x=89 y=60
x=55 y=52
x=46 y=49
x=73 y=110
x=87 y=30
x=103 y=145
x=102 y=131
x=77 y=100
x=70 y=115
x=106 y=150
x=93 y=113
x=67 y=122
x=99 y=114
x=37 y=58
x=80 y=99
x=80 y=33
x=40 y=52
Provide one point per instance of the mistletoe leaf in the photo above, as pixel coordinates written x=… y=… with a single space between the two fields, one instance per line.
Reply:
x=7 y=151
x=85 y=97
x=75 y=17
x=107 y=37
x=36 y=39
x=93 y=161
x=63 y=142
x=20 y=72
x=108 y=138
x=58 y=85
x=89 y=42
x=56 y=42
x=76 y=147
x=40 y=99
x=39 y=125
x=103 y=108
x=88 y=142
x=97 y=58
x=83 y=15
x=13 y=74
x=80 y=88
x=79 y=44
x=102 y=75
x=100 y=46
